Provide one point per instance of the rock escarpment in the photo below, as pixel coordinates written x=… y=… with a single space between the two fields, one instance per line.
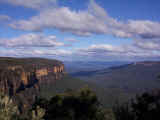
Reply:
x=13 y=79
x=23 y=77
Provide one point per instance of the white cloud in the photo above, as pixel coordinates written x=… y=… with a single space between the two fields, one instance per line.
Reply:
x=123 y=52
x=53 y=52
x=31 y=40
x=71 y=40
x=4 y=18
x=148 y=44
x=107 y=47
x=35 y=4
x=80 y=23
x=98 y=52
x=34 y=52
x=145 y=29
x=94 y=20
x=84 y=23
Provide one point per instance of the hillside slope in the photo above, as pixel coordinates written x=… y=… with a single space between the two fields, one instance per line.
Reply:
x=136 y=77
x=106 y=96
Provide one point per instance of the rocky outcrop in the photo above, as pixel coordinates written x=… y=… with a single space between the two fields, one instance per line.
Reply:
x=13 y=79
x=41 y=72
x=23 y=78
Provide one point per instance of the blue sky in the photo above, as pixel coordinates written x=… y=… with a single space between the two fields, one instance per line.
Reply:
x=102 y=30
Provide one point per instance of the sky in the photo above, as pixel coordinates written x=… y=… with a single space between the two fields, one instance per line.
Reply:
x=90 y=30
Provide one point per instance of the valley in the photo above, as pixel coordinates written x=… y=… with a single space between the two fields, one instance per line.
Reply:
x=28 y=80
x=133 y=77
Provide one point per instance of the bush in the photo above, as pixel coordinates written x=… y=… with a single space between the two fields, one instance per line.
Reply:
x=38 y=113
x=144 y=107
x=8 y=110
x=72 y=105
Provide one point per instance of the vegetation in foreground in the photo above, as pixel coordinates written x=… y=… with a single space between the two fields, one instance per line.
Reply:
x=144 y=107
x=83 y=105
x=72 y=105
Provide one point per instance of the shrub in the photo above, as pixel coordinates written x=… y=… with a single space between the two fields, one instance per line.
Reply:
x=38 y=113
x=72 y=105
x=8 y=110
x=143 y=107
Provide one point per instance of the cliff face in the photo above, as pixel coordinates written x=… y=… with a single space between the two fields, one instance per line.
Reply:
x=13 y=79
x=22 y=78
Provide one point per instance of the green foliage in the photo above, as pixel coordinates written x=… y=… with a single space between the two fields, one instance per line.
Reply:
x=123 y=112
x=38 y=113
x=109 y=114
x=144 y=107
x=8 y=110
x=72 y=105
x=106 y=96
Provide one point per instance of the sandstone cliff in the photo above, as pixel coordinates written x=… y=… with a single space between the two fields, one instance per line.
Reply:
x=15 y=78
x=23 y=77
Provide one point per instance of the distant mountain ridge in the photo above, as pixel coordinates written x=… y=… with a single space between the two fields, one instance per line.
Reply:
x=76 y=66
x=148 y=63
x=133 y=77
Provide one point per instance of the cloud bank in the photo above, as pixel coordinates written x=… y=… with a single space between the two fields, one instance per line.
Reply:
x=31 y=40
x=34 y=4
x=92 y=21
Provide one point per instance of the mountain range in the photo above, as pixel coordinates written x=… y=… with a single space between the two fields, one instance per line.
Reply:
x=76 y=66
x=133 y=77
